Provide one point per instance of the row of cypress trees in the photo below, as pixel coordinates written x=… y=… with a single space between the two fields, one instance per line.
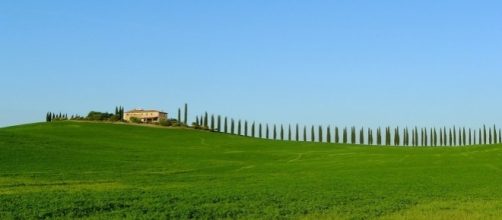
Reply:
x=385 y=137
x=51 y=116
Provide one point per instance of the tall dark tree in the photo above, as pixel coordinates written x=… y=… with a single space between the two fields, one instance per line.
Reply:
x=185 y=118
x=245 y=128
x=396 y=137
x=252 y=130
x=297 y=133
x=312 y=134
x=370 y=136
x=259 y=131
x=337 y=135
x=239 y=127
x=500 y=136
x=219 y=123
x=379 y=136
x=464 y=137
x=282 y=133
x=484 y=134
x=275 y=133
x=490 y=136
x=290 y=136
x=353 y=135
x=225 y=125
x=212 y=122
x=345 y=135
x=480 y=136
x=179 y=115
x=48 y=117
x=495 y=139
x=305 y=133
x=232 y=126
x=205 y=120
x=440 y=136
x=361 y=136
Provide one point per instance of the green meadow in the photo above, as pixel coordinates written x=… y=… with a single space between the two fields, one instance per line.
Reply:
x=101 y=171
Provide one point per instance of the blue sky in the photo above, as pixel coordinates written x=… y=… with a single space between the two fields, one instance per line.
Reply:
x=341 y=63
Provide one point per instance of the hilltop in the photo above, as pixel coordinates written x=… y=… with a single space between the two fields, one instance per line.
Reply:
x=99 y=170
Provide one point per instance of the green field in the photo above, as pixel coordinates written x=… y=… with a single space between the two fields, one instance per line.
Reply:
x=101 y=171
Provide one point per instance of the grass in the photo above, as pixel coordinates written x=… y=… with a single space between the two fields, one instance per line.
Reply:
x=102 y=171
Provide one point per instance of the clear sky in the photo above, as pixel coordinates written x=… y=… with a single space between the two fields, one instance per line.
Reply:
x=313 y=62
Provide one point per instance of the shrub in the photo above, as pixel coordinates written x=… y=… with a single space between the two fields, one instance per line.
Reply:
x=165 y=123
x=98 y=116
x=135 y=120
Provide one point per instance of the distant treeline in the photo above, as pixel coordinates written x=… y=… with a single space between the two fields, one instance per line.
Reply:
x=387 y=136
x=91 y=116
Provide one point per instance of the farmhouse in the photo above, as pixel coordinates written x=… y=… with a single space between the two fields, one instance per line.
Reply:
x=147 y=116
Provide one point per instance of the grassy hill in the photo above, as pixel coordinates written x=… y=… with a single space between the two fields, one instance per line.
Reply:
x=94 y=170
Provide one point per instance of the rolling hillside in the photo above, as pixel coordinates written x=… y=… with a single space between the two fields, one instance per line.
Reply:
x=97 y=170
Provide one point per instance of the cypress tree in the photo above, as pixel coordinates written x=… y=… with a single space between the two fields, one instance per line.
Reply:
x=480 y=136
x=232 y=126
x=225 y=125
x=212 y=122
x=289 y=133
x=312 y=134
x=205 y=120
x=370 y=136
x=297 y=133
x=353 y=135
x=490 y=136
x=275 y=133
x=387 y=136
x=495 y=139
x=413 y=137
x=185 y=119
x=245 y=128
x=239 y=127
x=500 y=136
x=337 y=136
x=484 y=134
x=219 y=123
x=396 y=136
x=379 y=136
x=440 y=136
x=282 y=133
x=345 y=138
x=252 y=130
x=454 y=136
x=305 y=133
x=328 y=135
x=361 y=136
x=179 y=116
x=259 y=131
x=464 y=137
